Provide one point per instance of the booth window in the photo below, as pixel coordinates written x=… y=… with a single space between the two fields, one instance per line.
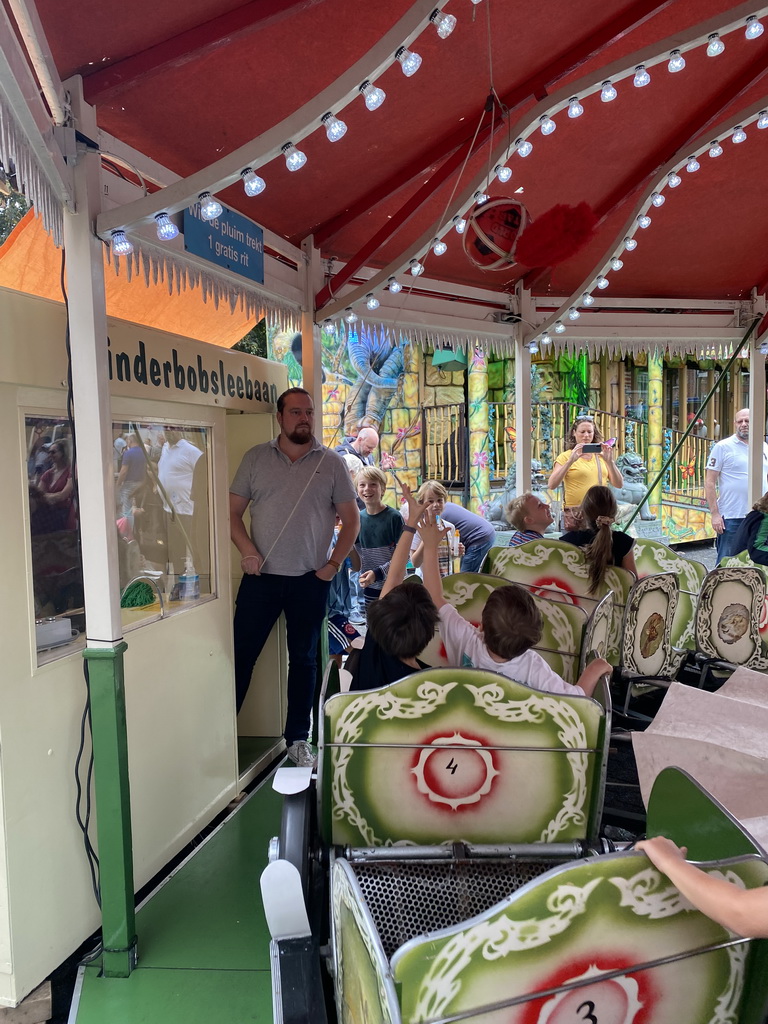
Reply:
x=57 y=569
x=163 y=517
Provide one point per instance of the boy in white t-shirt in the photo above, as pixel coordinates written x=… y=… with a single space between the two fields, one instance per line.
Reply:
x=511 y=625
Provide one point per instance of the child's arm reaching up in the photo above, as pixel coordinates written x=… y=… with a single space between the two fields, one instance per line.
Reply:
x=431 y=534
x=399 y=559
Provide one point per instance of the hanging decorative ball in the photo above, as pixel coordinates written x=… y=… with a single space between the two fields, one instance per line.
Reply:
x=492 y=232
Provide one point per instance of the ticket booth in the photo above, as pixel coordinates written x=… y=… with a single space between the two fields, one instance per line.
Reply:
x=183 y=414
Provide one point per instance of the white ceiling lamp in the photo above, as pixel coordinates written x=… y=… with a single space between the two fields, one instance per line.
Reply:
x=739 y=135
x=602 y=281
x=166 y=229
x=481 y=197
x=524 y=147
x=350 y=315
x=329 y=326
x=439 y=247
x=444 y=23
x=673 y=179
x=394 y=286
x=371 y=301
x=715 y=149
x=754 y=28
x=587 y=299
x=546 y=124
x=762 y=120
x=715 y=45
x=121 y=244
x=616 y=263
x=608 y=91
x=210 y=208
x=644 y=221
x=294 y=158
x=502 y=172
x=416 y=268
x=630 y=244
x=642 y=78
x=372 y=95
x=460 y=224
x=410 y=62
x=676 y=62
x=252 y=183
x=334 y=127
x=573 y=313
x=692 y=165
x=575 y=108
x=658 y=199
x=559 y=327
x=545 y=338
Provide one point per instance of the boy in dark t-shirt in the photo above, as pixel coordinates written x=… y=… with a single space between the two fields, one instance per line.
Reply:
x=380 y=530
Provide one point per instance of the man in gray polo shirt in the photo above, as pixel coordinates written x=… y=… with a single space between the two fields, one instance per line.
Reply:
x=295 y=487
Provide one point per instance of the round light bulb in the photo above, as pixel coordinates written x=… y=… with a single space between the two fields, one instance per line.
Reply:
x=460 y=224
x=329 y=326
x=350 y=315
x=575 y=109
x=754 y=28
x=502 y=172
x=439 y=247
x=715 y=149
x=587 y=299
x=410 y=62
x=630 y=243
x=166 y=229
x=415 y=268
x=444 y=23
x=644 y=221
x=533 y=348
x=545 y=338
x=762 y=119
x=602 y=281
x=371 y=301
x=608 y=92
x=642 y=78
x=524 y=147
x=693 y=165
x=481 y=197
x=121 y=244
x=676 y=62
x=739 y=135
x=372 y=95
x=394 y=285
x=546 y=124
x=334 y=128
x=210 y=208
x=252 y=183
x=294 y=158
x=715 y=45
x=573 y=313
x=673 y=179
x=559 y=327
x=658 y=199
x=616 y=263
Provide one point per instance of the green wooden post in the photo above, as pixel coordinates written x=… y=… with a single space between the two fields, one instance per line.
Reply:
x=655 y=425
x=113 y=808
x=478 y=469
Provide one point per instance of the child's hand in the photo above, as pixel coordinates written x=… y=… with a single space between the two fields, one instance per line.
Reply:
x=462 y=550
x=430 y=532
x=661 y=851
x=388 y=461
x=415 y=508
x=367 y=578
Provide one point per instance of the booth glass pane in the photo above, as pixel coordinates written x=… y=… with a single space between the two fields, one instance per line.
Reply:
x=163 y=517
x=57 y=570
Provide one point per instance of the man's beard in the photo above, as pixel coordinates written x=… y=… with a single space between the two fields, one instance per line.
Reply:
x=300 y=434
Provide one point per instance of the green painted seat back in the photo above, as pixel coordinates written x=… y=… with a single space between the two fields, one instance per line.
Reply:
x=729 y=613
x=553 y=565
x=647 y=629
x=562 y=624
x=460 y=754
x=652 y=557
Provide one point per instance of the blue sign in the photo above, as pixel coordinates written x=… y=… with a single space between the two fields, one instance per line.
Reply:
x=231 y=241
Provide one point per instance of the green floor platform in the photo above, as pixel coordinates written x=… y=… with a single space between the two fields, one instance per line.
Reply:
x=203 y=940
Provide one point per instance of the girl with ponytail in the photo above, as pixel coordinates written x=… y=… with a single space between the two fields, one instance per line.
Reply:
x=602 y=545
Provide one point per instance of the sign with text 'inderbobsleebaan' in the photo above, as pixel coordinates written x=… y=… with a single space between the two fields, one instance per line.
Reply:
x=230 y=241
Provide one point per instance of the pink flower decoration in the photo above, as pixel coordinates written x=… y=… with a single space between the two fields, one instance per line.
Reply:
x=480 y=459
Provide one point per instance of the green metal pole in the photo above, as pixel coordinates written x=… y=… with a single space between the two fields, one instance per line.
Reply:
x=705 y=401
x=655 y=424
x=113 y=809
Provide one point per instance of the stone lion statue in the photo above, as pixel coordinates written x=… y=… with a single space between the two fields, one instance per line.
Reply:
x=634 y=491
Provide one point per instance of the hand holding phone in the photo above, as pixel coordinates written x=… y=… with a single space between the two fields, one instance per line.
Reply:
x=593 y=449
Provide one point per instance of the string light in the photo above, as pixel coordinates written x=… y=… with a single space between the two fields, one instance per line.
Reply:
x=371 y=301
x=644 y=221
x=630 y=243
x=587 y=299
x=329 y=326
x=676 y=62
x=715 y=149
x=502 y=172
x=658 y=199
x=210 y=208
x=673 y=179
x=444 y=23
x=546 y=124
x=394 y=286
x=415 y=268
x=409 y=61
x=533 y=347
x=481 y=197
x=608 y=92
x=294 y=158
x=575 y=109
x=602 y=281
x=559 y=327
x=545 y=338
x=439 y=247
x=616 y=263
x=642 y=78
x=460 y=224
x=166 y=229
x=524 y=147
x=693 y=165
x=121 y=244
x=739 y=135
x=252 y=183
x=334 y=128
x=372 y=95
x=573 y=313
x=762 y=119
x=350 y=315
x=715 y=45
x=754 y=28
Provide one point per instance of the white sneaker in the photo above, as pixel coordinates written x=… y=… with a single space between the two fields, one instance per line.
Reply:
x=301 y=754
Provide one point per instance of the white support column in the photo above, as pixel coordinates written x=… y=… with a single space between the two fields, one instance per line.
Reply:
x=93 y=416
x=523 y=417
x=311 y=354
x=757 y=482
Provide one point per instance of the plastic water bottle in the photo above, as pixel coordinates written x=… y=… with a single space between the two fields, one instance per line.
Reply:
x=189 y=587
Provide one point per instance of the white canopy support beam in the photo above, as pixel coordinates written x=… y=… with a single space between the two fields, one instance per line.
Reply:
x=311 y=274
x=523 y=416
x=267 y=146
x=758 y=485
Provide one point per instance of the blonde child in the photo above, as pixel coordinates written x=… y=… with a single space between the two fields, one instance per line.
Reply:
x=380 y=530
x=433 y=496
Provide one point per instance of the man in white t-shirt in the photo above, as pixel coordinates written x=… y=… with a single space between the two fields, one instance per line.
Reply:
x=726 y=484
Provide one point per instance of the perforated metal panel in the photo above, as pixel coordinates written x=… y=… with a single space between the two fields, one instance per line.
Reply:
x=410 y=898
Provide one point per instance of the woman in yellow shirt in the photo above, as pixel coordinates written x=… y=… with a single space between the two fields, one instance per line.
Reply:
x=578 y=470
